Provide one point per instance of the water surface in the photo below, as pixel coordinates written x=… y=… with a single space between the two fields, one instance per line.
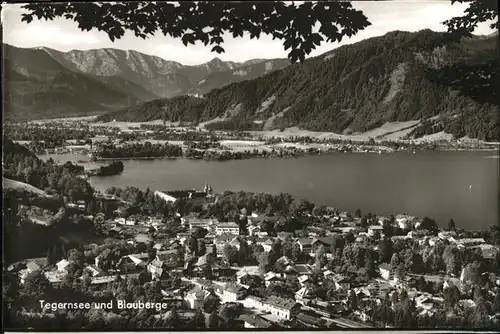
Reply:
x=462 y=185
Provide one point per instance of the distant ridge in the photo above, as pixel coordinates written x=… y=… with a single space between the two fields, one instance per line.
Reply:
x=46 y=83
x=354 y=88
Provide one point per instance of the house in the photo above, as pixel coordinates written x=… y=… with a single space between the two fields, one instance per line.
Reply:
x=38 y=263
x=196 y=297
x=221 y=240
x=328 y=274
x=304 y=293
x=434 y=240
x=326 y=242
x=158 y=246
x=255 y=321
x=285 y=261
x=254 y=230
x=94 y=271
x=363 y=315
x=209 y=238
x=284 y=235
x=62 y=265
x=445 y=235
x=305 y=245
x=16 y=267
x=244 y=277
x=224 y=271
x=202 y=261
x=31 y=267
x=283 y=308
x=182 y=235
x=250 y=280
x=132 y=262
x=55 y=277
x=467 y=242
x=339 y=309
x=487 y=251
x=379 y=288
x=170 y=257
x=201 y=223
x=374 y=229
x=405 y=221
x=174 y=244
x=254 y=302
x=382 y=220
x=341 y=282
x=467 y=304
x=395 y=238
x=229 y=228
x=385 y=271
x=232 y=292
x=345 y=216
x=267 y=245
x=428 y=303
x=271 y=277
x=304 y=279
x=345 y=229
x=235 y=242
x=157 y=269
x=194 y=195
x=311 y=321
x=123 y=221
x=303 y=269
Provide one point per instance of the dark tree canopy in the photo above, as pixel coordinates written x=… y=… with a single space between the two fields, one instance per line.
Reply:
x=478 y=81
x=478 y=11
x=207 y=21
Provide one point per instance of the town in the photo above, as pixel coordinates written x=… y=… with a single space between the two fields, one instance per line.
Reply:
x=242 y=260
x=113 y=140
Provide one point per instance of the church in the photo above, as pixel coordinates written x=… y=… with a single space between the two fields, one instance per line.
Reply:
x=172 y=196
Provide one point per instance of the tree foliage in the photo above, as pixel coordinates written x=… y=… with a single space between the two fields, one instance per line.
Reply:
x=478 y=11
x=207 y=21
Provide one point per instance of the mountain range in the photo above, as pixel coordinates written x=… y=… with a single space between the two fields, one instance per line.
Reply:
x=46 y=83
x=351 y=89
x=354 y=88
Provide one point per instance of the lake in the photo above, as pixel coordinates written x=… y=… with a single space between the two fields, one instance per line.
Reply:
x=462 y=185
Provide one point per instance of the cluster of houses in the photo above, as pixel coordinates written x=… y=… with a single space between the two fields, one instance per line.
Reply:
x=233 y=284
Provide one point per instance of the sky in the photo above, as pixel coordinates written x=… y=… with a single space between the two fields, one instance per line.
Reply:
x=385 y=16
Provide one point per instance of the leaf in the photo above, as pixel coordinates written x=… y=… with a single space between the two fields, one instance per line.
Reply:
x=218 y=49
x=27 y=18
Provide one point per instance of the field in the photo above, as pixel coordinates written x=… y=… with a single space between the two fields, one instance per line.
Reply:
x=17 y=185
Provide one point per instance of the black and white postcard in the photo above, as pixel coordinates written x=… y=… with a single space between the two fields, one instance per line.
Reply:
x=231 y=166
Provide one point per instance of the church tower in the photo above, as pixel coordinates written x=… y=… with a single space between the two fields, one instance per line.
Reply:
x=205 y=189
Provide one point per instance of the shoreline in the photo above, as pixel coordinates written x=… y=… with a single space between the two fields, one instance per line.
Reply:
x=298 y=154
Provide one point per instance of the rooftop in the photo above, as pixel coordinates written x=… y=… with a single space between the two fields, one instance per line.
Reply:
x=255 y=320
x=286 y=304
x=227 y=225
x=234 y=288
x=182 y=194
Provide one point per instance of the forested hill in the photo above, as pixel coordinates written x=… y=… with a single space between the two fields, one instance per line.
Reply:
x=47 y=83
x=355 y=88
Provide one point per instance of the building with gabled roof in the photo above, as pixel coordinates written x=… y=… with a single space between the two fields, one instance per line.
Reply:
x=283 y=308
x=232 y=292
x=227 y=228
x=256 y=321
x=305 y=245
x=62 y=265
